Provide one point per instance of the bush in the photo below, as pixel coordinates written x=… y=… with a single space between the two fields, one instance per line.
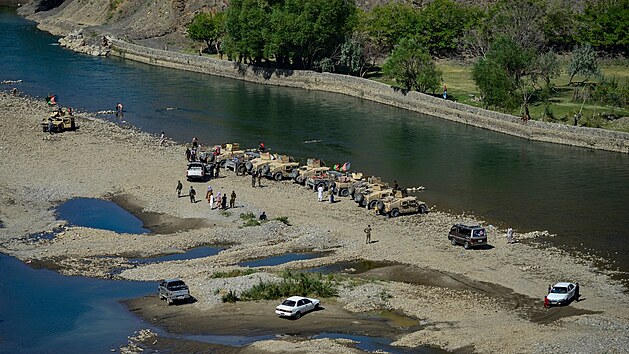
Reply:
x=249 y=219
x=283 y=219
x=230 y=297
x=293 y=283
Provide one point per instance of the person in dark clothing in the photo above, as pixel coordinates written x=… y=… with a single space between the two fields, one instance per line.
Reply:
x=263 y=216
x=224 y=202
x=232 y=200
x=253 y=179
x=179 y=188
x=576 y=292
x=188 y=154
x=368 y=234
x=395 y=185
x=216 y=170
x=192 y=193
x=259 y=176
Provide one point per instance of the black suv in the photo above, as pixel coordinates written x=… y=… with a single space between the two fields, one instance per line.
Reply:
x=468 y=236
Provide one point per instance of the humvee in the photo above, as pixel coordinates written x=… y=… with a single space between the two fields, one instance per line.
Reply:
x=312 y=168
x=278 y=169
x=371 y=200
x=61 y=120
x=394 y=207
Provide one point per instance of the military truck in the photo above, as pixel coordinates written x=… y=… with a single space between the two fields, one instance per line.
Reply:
x=394 y=206
x=257 y=163
x=371 y=200
x=237 y=163
x=279 y=169
x=313 y=167
x=59 y=120
x=226 y=152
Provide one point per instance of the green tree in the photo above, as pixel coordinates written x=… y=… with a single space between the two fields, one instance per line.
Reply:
x=209 y=28
x=440 y=24
x=583 y=62
x=354 y=54
x=605 y=25
x=413 y=67
x=388 y=24
x=247 y=22
x=500 y=76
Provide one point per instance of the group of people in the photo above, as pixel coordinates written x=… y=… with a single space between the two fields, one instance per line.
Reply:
x=331 y=190
x=256 y=176
x=219 y=201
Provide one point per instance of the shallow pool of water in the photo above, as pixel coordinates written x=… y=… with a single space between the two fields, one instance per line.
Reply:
x=193 y=253
x=351 y=267
x=281 y=259
x=42 y=311
x=100 y=214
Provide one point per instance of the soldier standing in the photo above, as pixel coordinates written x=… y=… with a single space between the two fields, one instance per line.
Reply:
x=253 y=179
x=232 y=199
x=259 y=175
x=192 y=193
x=368 y=234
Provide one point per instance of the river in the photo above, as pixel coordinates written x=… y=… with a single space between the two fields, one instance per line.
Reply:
x=579 y=194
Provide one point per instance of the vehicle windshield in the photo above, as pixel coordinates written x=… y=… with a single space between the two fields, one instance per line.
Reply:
x=559 y=290
x=177 y=285
x=289 y=303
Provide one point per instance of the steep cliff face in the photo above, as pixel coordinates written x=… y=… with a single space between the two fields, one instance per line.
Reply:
x=132 y=19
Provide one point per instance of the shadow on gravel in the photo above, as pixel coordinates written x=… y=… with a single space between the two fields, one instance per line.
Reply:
x=529 y=308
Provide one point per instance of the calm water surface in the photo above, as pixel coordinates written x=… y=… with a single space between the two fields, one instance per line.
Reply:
x=577 y=193
x=42 y=311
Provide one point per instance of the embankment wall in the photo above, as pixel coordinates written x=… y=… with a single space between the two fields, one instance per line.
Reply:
x=378 y=92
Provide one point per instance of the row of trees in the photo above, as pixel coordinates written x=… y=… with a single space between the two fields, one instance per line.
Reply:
x=515 y=40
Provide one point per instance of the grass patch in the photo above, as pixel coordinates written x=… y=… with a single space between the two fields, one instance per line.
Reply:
x=225 y=213
x=248 y=219
x=283 y=219
x=292 y=283
x=234 y=273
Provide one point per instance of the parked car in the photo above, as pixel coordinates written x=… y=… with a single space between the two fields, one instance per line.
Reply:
x=468 y=236
x=173 y=290
x=561 y=293
x=197 y=171
x=295 y=306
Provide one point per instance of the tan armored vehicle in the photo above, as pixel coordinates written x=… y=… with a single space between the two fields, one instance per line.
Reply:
x=59 y=120
x=394 y=207
x=371 y=200
x=279 y=169
x=226 y=151
x=312 y=168
x=256 y=164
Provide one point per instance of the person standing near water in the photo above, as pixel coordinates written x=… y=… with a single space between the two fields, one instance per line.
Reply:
x=320 y=193
x=162 y=138
x=509 y=235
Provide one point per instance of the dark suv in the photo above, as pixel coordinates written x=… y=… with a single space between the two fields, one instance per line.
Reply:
x=468 y=236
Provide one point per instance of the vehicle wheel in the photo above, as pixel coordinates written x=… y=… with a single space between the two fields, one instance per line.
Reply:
x=380 y=206
x=298 y=315
x=248 y=166
x=423 y=209
x=320 y=184
x=278 y=176
x=453 y=241
x=222 y=163
x=300 y=180
x=466 y=245
x=358 y=198
x=372 y=204
x=344 y=192
x=351 y=191
x=395 y=213
x=241 y=170
x=265 y=169
x=169 y=301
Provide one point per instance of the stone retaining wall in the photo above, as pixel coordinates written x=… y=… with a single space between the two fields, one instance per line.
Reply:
x=377 y=92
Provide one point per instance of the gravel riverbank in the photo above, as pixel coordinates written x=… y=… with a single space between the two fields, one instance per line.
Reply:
x=487 y=299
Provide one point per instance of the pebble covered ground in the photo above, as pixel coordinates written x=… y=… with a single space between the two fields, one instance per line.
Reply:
x=104 y=160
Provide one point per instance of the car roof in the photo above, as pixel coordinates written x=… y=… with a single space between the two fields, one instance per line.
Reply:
x=172 y=280
x=562 y=284
x=296 y=298
x=469 y=227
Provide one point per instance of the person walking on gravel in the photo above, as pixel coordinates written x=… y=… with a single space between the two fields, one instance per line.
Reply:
x=192 y=193
x=320 y=193
x=179 y=188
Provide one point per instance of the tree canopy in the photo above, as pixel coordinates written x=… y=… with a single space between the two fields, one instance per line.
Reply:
x=412 y=66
